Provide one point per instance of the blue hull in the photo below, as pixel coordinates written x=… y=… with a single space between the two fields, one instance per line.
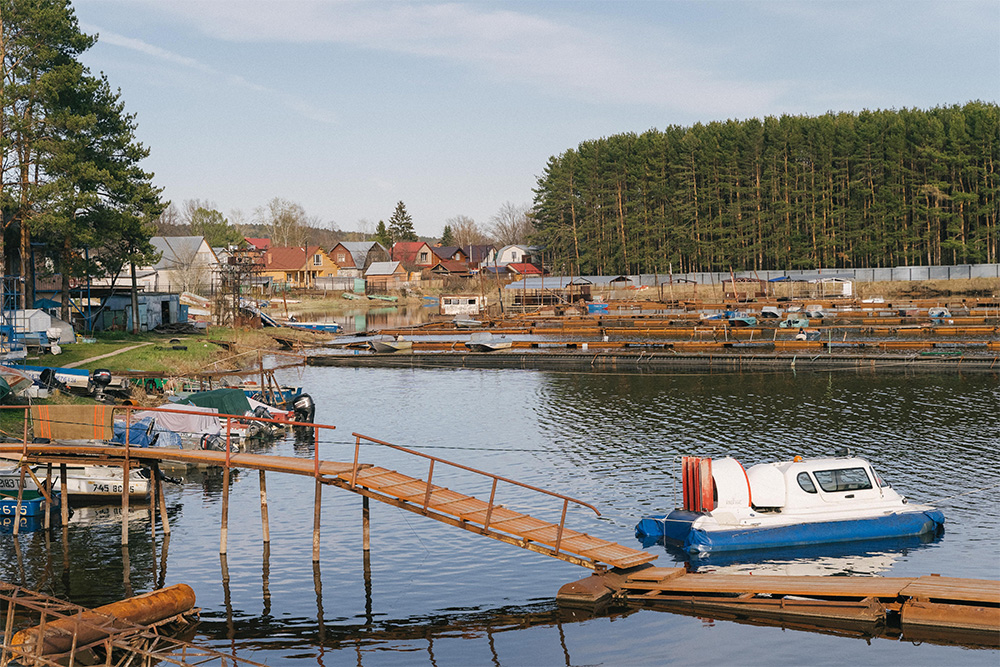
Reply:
x=675 y=529
x=32 y=504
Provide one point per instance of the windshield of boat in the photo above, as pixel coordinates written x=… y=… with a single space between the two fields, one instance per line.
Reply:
x=806 y=482
x=843 y=479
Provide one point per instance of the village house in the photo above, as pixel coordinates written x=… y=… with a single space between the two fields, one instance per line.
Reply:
x=480 y=256
x=186 y=264
x=384 y=276
x=453 y=253
x=413 y=255
x=297 y=267
x=354 y=257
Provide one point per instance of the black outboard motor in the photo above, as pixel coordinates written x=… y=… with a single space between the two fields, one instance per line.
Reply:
x=304 y=408
x=99 y=380
x=217 y=443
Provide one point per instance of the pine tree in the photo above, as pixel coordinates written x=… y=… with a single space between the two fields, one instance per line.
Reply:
x=383 y=236
x=447 y=238
x=401 y=224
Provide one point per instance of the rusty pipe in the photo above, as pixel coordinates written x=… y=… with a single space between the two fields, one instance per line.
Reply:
x=93 y=625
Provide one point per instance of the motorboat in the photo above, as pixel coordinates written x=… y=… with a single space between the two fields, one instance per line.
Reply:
x=81 y=480
x=397 y=344
x=785 y=504
x=485 y=341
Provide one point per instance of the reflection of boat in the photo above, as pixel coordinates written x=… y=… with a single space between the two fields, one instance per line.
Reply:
x=319 y=327
x=397 y=344
x=486 y=342
x=772 y=505
x=80 y=480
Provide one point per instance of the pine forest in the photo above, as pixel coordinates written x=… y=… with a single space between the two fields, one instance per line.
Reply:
x=868 y=189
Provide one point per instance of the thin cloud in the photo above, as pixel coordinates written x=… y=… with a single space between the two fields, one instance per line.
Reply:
x=300 y=106
x=555 y=56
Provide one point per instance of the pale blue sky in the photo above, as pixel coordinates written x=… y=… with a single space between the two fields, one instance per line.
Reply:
x=454 y=108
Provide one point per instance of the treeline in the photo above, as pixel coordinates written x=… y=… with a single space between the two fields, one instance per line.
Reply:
x=868 y=189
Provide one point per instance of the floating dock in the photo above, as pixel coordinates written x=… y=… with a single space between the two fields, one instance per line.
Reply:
x=953 y=610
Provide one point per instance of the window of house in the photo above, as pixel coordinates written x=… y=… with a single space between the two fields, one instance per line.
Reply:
x=317 y=260
x=423 y=257
x=341 y=258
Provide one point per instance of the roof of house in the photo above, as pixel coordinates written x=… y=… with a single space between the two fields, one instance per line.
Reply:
x=382 y=269
x=289 y=259
x=478 y=253
x=451 y=266
x=178 y=251
x=406 y=251
x=359 y=250
x=524 y=268
x=447 y=251
x=260 y=244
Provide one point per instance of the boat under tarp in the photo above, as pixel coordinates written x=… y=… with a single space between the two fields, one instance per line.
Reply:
x=226 y=401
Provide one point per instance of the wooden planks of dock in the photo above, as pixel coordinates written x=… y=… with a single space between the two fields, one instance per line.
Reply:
x=969 y=607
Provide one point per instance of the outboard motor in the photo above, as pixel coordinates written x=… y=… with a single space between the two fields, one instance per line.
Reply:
x=217 y=443
x=304 y=408
x=100 y=379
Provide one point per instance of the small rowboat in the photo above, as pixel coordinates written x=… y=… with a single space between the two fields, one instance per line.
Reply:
x=487 y=342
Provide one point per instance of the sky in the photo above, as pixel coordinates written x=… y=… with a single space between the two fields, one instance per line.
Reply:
x=455 y=108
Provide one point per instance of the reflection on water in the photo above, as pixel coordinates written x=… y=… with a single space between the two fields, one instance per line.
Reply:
x=428 y=594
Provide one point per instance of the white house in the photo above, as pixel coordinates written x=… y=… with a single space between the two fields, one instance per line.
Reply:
x=187 y=264
x=514 y=254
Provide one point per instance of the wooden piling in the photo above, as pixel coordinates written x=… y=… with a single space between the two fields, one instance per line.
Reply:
x=224 y=532
x=365 y=527
x=265 y=527
x=317 y=504
x=63 y=495
x=164 y=521
x=48 y=505
x=20 y=497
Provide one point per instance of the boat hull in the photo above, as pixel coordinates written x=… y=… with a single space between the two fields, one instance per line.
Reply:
x=33 y=504
x=676 y=529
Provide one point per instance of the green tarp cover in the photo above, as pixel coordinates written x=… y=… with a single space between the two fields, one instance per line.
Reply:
x=226 y=401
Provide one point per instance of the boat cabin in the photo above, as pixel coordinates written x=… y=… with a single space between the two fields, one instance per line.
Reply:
x=801 y=484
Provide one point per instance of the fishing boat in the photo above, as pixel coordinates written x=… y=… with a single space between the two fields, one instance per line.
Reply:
x=397 y=344
x=484 y=341
x=86 y=480
x=786 y=504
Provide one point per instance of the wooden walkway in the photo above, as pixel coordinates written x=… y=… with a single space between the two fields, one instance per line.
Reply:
x=417 y=495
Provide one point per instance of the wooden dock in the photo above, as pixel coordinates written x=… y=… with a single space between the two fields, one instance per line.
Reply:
x=421 y=496
x=967 y=608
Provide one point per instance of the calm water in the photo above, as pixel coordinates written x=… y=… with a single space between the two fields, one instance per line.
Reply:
x=434 y=595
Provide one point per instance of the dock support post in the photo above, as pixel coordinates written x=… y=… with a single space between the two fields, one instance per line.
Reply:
x=63 y=495
x=265 y=527
x=317 y=503
x=224 y=531
x=316 y=519
x=20 y=497
x=48 y=489
x=365 y=527
x=161 y=497
x=125 y=471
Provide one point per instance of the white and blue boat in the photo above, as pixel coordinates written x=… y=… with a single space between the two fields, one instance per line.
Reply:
x=787 y=504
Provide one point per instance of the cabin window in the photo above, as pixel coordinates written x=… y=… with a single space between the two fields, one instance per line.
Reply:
x=341 y=258
x=805 y=482
x=843 y=479
x=317 y=260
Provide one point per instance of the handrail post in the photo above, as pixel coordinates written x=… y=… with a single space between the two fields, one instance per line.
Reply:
x=430 y=475
x=229 y=434
x=316 y=452
x=562 y=524
x=357 y=449
x=27 y=417
x=489 y=508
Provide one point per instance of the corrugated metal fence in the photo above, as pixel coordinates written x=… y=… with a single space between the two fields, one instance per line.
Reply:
x=956 y=272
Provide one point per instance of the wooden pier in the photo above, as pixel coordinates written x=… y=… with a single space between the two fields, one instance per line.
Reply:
x=967 y=609
x=421 y=496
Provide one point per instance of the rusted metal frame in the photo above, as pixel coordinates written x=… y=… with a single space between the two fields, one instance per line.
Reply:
x=475 y=470
x=472 y=528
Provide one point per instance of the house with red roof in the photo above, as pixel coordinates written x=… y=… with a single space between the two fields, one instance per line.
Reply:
x=413 y=255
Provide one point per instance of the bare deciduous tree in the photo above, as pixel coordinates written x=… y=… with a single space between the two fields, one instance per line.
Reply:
x=287 y=222
x=511 y=225
x=465 y=231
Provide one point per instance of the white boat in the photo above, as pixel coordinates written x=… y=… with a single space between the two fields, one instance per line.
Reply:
x=486 y=342
x=398 y=344
x=88 y=480
x=791 y=503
